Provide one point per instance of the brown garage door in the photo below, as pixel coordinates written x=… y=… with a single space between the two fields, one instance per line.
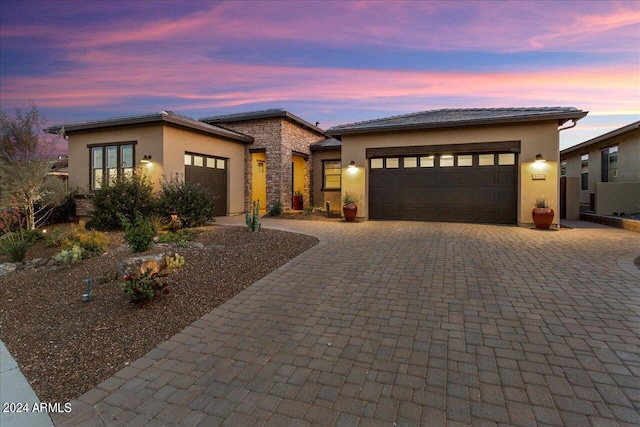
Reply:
x=211 y=173
x=477 y=187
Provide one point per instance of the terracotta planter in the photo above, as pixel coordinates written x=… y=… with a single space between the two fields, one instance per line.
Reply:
x=542 y=217
x=297 y=203
x=350 y=212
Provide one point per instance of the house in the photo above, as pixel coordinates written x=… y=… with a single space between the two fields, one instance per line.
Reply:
x=462 y=165
x=261 y=155
x=602 y=175
x=467 y=165
x=163 y=143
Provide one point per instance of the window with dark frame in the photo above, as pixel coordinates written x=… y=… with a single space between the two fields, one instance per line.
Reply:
x=331 y=175
x=584 y=171
x=110 y=162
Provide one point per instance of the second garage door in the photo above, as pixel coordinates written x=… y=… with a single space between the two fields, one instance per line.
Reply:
x=209 y=172
x=475 y=187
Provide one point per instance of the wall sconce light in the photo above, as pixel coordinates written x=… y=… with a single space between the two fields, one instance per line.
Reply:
x=540 y=159
x=146 y=159
x=352 y=165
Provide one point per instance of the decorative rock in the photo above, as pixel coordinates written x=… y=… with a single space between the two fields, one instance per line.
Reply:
x=197 y=245
x=140 y=264
x=8 y=267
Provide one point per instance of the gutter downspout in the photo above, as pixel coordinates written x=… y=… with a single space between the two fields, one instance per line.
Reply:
x=574 y=123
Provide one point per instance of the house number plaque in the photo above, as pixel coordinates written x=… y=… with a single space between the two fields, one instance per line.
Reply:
x=539 y=176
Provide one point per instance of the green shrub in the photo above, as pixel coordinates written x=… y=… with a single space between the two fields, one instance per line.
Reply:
x=143 y=287
x=158 y=223
x=70 y=256
x=180 y=238
x=92 y=243
x=194 y=204
x=308 y=210
x=15 y=244
x=122 y=197
x=139 y=235
x=275 y=208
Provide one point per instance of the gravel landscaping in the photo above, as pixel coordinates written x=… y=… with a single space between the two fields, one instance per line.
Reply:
x=65 y=346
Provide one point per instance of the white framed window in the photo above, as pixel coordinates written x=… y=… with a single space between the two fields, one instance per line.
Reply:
x=331 y=174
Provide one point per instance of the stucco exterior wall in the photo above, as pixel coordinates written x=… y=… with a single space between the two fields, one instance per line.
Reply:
x=148 y=140
x=628 y=163
x=178 y=141
x=166 y=145
x=320 y=197
x=535 y=138
x=617 y=198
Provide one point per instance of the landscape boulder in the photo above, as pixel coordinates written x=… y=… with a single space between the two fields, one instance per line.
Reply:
x=140 y=264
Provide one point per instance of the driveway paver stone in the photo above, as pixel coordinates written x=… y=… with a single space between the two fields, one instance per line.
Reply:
x=409 y=323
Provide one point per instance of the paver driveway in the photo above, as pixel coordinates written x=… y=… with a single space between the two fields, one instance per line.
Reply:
x=407 y=323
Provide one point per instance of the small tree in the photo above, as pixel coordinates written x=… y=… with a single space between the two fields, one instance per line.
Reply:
x=24 y=167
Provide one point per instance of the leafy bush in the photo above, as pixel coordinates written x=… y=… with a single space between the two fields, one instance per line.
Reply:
x=158 y=223
x=308 y=210
x=143 y=287
x=63 y=212
x=180 y=238
x=194 y=204
x=92 y=243
x=139 y=235
x=15 y=244
x=122 y=197
x=275 y=208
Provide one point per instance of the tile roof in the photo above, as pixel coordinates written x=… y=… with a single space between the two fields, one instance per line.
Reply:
x=326 y=144
x=459 y=117
x=261 y=114
x=162 y=116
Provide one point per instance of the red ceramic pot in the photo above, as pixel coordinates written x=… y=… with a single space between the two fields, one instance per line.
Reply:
x=297 y=203
x=542 y=217
x=350 y=212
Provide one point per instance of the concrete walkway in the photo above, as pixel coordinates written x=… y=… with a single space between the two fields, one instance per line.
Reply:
x=408 y=323
x=17 y=397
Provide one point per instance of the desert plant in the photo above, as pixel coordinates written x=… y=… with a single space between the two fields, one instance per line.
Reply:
x=275 y=208
x=193 y=204
x=541 y=203
x=175 y=262
x=144 y=287
x=128 y=196
x=15 y=244
x=139 y=234
x=158 y=223
x=70 y=256
x=253 y=218
x=180 y=238
x=350 y=199
x=92 y=243
x=308 y=210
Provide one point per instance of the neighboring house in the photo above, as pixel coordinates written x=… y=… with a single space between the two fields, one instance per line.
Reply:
x=60 y=168
x=602 y=175
x=463 y=165
x=466 y=165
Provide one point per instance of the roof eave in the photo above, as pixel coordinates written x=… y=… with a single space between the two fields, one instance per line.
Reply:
x=561 y=117
x=603 y=137
x=155 y=118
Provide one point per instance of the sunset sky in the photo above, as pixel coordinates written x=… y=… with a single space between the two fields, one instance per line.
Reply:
x=333 y=62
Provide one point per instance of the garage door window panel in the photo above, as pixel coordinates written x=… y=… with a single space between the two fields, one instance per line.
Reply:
x=464 y=160
x=506 y=159
x=446 y=161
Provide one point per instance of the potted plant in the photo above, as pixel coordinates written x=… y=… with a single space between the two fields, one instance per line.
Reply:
x=297 y=200
x=349 y=209
x=542 y=214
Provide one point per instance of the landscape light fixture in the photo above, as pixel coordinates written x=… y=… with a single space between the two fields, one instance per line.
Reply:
x=146 y=159
x=352 y=165
x=540 y=159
